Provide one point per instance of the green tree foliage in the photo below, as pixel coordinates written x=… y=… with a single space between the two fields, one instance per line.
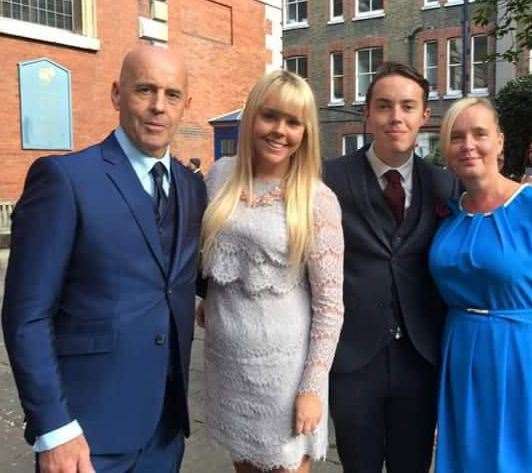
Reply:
x=514 y=17
x=514 y=104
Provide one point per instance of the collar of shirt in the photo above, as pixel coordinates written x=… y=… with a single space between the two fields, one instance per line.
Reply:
x=380 y=167
x=143 y=163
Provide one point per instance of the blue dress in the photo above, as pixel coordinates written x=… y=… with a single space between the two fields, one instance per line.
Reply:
x=482 y=265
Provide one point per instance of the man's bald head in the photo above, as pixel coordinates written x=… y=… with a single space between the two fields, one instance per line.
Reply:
x=145 y=53
x=151 y=96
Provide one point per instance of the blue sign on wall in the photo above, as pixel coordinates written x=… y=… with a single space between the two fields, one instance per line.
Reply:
x=45 y=105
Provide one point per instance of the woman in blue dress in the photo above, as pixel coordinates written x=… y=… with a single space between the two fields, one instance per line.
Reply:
x=481 y=259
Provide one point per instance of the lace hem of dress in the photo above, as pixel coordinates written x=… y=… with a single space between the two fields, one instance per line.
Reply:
x=265 y=462
x=255 y=269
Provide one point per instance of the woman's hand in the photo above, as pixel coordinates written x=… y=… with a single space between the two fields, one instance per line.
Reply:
x=307 y=414
x=200 y=314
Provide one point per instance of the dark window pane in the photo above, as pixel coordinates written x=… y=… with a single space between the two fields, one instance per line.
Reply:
x=363 y=84
x=363 y=62
x=338 y=88
x=338 y=67
x=456 y=51
x=292 y=13
x=480 y=48
x=302 y=11
x=291 y=65
x=377 y=5
x=338 y=8
x=364 y=6
x=480 y=73
x=303 y=67
x=377 y=59
x=432 y=77
x=432 y=54
x=455 y=78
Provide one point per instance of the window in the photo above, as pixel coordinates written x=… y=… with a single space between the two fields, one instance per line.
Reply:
x=427 y=145
x=367 y=63
x=454 y=66
x=63 y=14
x=479 y=66
x=67 y=22
x=430 y=67
x=228 y=147
x=336 y=9
x=369 y=8
x=352 y=142
x=337 y=78
x=296 y=12
x=297 y=65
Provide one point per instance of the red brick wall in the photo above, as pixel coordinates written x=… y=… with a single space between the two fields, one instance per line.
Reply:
x=221 y=75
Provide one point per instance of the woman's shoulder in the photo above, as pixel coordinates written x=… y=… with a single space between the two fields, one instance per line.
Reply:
x=219 y=173
x=325 y=199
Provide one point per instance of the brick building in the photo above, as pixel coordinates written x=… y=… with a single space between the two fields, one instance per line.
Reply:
x=339 y=44
x=228 y=44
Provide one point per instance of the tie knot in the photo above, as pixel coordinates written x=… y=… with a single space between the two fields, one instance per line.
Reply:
x=158 y=171
x=393 y=177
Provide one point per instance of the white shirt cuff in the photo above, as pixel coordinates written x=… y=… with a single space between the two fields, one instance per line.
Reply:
x=57 y=437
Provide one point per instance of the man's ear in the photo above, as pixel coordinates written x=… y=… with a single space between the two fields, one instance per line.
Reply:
x=426 y=115
x=115 y=95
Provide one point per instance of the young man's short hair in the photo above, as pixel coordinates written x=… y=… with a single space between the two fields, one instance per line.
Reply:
x=398 y=69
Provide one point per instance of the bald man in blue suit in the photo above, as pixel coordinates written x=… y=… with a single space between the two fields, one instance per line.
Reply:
x=99 y=301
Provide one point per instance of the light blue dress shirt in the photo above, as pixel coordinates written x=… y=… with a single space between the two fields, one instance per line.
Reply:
x=142 y=165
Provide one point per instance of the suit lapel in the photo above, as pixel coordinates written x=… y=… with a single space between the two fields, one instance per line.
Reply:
x=357 y=172
x=120 y=171
x=182 y=215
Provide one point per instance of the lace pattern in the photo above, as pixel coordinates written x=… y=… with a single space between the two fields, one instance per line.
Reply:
x=271 y=330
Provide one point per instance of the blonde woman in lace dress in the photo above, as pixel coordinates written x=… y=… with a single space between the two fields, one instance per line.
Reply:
x=273 y=256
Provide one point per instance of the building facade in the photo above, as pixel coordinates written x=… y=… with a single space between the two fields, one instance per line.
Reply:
x=339 y=44
x=58 y=60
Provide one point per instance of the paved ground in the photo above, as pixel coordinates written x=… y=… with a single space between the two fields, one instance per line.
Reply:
x=200 y=456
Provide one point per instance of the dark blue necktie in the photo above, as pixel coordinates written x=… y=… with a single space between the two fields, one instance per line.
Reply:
x=158 y=171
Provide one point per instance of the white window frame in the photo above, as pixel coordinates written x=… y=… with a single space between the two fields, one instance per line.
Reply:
x=362 y=98
x=359 y=138
x=432 y=93
x=452 y=3
x=86 y=40
x=452 y=92
x=337 y=18
x=297 y=59
x=294 y=24
x=479 y=90
x=430 y=4
x=369 y=14
x=332 y=99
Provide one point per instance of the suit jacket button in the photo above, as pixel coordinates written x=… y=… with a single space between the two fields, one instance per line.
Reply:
x=160 y=339
x=169 y=291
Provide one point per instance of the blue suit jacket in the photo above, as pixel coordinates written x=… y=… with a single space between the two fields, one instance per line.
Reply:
x=87 y=300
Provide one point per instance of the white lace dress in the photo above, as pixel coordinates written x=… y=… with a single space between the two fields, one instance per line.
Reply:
x=271 y=330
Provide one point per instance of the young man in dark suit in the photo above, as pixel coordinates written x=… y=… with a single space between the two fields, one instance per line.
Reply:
x=383 y=381
x=99 y=303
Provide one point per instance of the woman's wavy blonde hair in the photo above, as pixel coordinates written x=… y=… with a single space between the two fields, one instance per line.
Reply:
x=292 y=93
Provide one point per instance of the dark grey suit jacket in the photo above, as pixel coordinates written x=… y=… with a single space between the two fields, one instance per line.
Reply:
x=383 y=272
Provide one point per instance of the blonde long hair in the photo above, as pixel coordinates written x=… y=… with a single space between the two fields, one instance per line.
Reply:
x=298 y=184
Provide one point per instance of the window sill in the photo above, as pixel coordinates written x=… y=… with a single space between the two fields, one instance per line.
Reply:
x=478 y=93
x=452 y=95
x=295 y=26
x=359 y=101
x=430 y=7
x=47 y=34
x=336 y=103
x=369 y=16
x=336 y=20
x=435 y=96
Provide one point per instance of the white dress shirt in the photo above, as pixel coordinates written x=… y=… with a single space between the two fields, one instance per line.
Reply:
x=380 y=167
x=142 y=165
